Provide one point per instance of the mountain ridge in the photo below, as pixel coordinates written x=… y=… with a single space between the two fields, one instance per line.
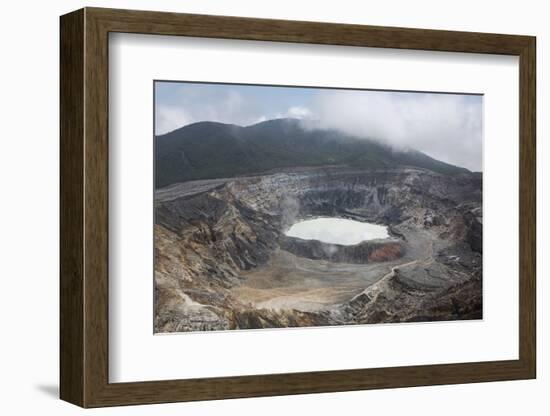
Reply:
x=208 y=149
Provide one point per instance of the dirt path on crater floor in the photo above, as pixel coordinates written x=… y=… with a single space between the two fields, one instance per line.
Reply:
x=291 y=282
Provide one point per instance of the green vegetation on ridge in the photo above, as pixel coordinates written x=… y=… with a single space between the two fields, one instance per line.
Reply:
x=208 y=150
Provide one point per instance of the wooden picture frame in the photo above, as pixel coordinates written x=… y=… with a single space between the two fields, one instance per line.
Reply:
x=84 y=207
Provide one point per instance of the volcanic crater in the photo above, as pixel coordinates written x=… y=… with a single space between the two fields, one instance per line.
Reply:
x=223 y=259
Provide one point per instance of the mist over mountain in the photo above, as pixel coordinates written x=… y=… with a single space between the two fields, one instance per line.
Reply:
x=208 y=150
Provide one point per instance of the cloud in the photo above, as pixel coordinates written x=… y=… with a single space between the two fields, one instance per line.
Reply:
x=299 y=112
x=447 y=127
x=168 y=118
x=179 y=104
x=193 y=105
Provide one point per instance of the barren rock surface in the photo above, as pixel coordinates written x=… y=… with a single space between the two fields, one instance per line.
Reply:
x=222 y=260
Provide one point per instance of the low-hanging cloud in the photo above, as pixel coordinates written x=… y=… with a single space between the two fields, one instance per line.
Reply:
x=198 y=104
x=447 y=127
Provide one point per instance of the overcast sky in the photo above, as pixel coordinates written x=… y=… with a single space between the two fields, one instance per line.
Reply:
x=447 y=127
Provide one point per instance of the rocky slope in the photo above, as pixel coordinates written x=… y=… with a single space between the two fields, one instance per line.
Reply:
x=222 y=260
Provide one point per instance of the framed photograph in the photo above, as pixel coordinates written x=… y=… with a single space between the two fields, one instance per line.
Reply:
x=255 y=207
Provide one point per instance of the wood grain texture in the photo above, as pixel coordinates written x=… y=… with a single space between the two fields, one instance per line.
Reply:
x=528 y=208
x=84 y=207
x=71 y=208
x=226 y=27
x=96 y=219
